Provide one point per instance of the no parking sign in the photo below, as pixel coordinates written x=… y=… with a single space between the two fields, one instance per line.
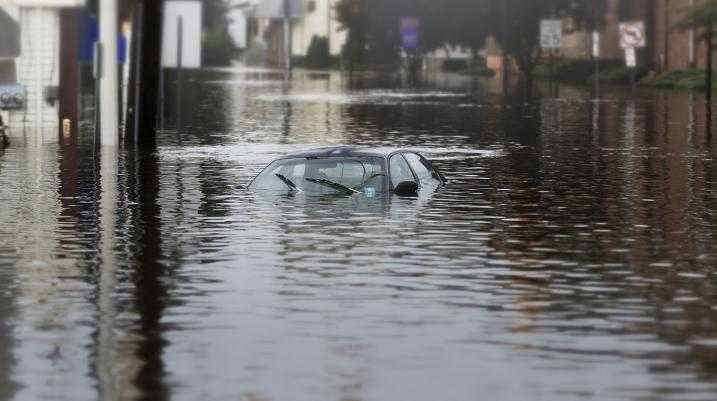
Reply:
x=632 y=34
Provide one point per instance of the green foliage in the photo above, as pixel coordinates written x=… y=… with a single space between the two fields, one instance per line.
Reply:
x=516 y=24
x=698 y=16
x=577 y=70
x=374 y=37
x=678 y=79
x=468 y=67
x=218 y=48
x=256 y=55
x=455 y=65
x=619 y=75
x=317 y=56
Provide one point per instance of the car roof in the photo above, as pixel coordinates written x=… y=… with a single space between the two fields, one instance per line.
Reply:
x=343 y=151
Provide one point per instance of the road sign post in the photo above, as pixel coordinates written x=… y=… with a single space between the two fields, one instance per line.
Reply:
x=551 y=34
x=181 y=44
x=596 y=58
x=631 y=62
x=551 y=40
x=632 y=36
x=409 y=28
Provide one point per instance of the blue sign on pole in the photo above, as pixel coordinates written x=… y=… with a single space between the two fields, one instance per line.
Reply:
x=89 y=34
x=409 y=27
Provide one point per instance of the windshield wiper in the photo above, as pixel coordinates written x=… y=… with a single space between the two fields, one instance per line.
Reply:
x=288 y=182
x=331 y=184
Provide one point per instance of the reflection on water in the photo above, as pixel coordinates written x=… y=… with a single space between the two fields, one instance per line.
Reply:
x=571 y=255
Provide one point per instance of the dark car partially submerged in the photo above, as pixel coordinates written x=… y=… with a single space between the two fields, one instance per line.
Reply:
x=350 y=171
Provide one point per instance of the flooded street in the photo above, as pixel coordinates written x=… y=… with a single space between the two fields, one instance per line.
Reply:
x=571 y=256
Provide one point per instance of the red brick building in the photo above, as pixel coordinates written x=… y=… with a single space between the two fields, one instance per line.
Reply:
x=668 y=48
x=675 y=49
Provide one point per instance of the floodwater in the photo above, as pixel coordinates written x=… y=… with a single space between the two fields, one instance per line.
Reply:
x=572 y=255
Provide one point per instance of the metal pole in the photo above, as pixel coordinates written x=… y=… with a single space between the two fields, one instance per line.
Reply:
x=109 y=91
x=691 y=43
x=180 y=43
x=596 y=48
x=632 y=78
x=597 y=76
x=287 y=35
x=708 y=84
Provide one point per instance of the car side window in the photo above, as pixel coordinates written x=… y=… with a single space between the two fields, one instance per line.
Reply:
x=422 y=168
x=400 y=171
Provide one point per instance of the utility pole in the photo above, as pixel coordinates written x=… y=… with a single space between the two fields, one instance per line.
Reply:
x=287 y=35
x=691 y=43
x=109 y=91
x=142 y=104
x=666 y=66
x=69 y=74
x=596 y=48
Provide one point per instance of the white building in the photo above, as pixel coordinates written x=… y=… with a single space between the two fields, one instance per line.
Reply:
x=37 y=67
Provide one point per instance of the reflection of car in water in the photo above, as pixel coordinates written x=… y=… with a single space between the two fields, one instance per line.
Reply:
x=369 y=172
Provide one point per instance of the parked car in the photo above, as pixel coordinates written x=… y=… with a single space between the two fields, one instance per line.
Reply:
x=350 y=171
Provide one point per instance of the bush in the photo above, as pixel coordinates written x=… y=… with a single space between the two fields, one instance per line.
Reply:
x=619 y=75
x=572 y=70
x=678 y=79
x=455 y=65
x=256 y=55
x=318 y=56
x=583 y=71
x=469 y=67
x=218 y=46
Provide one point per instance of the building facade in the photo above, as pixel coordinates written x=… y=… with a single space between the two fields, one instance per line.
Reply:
x=37 y=67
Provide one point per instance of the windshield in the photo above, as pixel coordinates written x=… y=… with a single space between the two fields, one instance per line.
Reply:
x=324 y=176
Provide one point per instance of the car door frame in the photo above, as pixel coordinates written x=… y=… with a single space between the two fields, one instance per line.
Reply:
x=442 y=180
x=390 y=175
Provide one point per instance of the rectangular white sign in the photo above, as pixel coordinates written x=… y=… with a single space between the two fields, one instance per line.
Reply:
x=551 y=33
x=182 y=23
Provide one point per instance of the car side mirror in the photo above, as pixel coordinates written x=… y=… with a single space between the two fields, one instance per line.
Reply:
x=406 y=188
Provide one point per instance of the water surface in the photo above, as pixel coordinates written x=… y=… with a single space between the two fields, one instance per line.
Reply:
x=572 y=255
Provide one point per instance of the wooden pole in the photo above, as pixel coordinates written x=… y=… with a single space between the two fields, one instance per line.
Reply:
x=287 y=36
x=708 y=75
x=708 y=82
x=145 y=72
x=69 y=73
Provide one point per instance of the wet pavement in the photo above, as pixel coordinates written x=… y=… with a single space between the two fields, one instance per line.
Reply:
x=572 y=255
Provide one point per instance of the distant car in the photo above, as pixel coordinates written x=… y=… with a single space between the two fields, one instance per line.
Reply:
x=350 y=171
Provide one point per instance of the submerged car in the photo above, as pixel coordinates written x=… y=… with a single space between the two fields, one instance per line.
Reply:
x=350 y=171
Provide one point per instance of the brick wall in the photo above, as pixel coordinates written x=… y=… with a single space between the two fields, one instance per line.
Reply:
x=37 y=67
x=672 y=46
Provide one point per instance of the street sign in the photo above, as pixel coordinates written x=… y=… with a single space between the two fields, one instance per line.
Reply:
x=182 y=34
x=551 y=33
x=630 y=57
x=632 y=34
x=596 y=44
x=409 y=27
